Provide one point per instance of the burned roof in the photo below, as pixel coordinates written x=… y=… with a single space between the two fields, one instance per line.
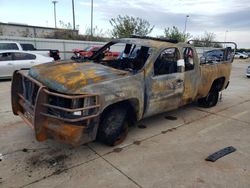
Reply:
x=154 y=38
x=147 y=41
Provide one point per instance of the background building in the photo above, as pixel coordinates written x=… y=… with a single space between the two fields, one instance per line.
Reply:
x=23 y=30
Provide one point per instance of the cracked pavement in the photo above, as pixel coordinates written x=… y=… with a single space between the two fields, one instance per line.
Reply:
x=166 y=150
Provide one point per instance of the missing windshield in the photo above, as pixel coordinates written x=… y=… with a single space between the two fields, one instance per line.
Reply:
x=123 y=56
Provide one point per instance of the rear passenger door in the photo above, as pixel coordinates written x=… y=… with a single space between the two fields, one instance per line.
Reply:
x=165 y=87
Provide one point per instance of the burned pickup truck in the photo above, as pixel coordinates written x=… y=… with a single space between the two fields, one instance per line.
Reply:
x=78 y=102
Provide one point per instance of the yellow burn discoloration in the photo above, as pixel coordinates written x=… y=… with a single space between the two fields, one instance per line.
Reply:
x=74 y=76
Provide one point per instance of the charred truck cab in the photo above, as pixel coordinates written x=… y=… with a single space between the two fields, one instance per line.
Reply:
x=77 y=102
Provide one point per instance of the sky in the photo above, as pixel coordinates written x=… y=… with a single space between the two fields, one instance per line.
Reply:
x=228 y=19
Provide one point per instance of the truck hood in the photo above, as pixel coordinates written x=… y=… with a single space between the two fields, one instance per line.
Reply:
x=72 y=77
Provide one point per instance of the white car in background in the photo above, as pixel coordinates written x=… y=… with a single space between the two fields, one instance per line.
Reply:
x=11 y=60
x=248 y=72
x=240 y=55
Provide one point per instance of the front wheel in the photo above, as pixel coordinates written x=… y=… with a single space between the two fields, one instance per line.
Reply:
x=210 y=100
x=113 y=127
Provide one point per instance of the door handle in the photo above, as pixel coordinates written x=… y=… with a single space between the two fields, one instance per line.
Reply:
x=10 y=64
x=32 y=62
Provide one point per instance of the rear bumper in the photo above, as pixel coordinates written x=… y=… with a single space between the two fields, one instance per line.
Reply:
x=35 y=104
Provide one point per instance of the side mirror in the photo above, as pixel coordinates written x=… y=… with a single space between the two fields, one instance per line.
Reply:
x=181 y=65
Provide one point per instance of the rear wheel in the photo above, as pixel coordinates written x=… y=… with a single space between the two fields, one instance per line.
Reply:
x=210 y=100
x=113 y=127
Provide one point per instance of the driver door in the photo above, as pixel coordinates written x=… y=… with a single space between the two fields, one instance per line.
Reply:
x=165 y=87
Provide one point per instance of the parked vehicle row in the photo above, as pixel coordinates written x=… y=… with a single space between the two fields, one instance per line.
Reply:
x=216 y=55
x=11 y=60
x=241 y=55
x=9 y=45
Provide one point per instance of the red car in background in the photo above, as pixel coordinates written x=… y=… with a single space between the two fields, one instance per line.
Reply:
x=89 y=51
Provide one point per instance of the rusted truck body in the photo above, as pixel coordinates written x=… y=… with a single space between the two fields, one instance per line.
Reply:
x=77 y=102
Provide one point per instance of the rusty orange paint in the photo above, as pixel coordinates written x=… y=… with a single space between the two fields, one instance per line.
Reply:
x=66 y=133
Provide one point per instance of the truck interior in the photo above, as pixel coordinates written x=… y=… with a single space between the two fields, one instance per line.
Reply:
x=166 y=62
x=132 y=56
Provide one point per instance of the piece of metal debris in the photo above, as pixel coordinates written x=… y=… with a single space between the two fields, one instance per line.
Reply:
x=219 y=154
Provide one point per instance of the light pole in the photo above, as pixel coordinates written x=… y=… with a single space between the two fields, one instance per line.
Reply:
x=54 y=2
x=73 y=10
x=185 y=28
x=91 y=29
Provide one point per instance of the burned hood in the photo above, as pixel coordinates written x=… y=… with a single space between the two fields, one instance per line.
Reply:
x=72 y=77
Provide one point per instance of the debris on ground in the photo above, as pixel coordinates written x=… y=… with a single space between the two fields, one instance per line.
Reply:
x=117 y=150
x=137 y=143
x=221 y=96
x=56 y=160
x=141 y=126
x=219 y=154
x=169 y=130
x=171 y=118
x=25 y=150
x=1 y=157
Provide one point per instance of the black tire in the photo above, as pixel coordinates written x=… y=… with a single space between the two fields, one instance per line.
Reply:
x=248 y=76
x=113 y=127
x=210 y=100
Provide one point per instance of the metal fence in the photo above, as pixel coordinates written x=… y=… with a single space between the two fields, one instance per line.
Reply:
x=64 y=46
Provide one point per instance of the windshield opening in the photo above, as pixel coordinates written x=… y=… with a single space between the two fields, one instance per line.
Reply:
x=123 y=56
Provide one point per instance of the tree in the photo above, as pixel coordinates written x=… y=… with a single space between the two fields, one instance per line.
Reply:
x=67 y=25
x=125 y=26
x=98 y=34
x=66 y=32
x=207 y=39
x=175 y=33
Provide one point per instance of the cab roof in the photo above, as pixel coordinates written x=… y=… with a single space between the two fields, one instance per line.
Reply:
x=150 y=42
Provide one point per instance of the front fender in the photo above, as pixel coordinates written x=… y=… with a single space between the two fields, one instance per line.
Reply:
x=129 y=88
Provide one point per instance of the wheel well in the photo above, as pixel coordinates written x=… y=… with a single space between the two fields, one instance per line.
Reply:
x=131 y=104
x=218 y=84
